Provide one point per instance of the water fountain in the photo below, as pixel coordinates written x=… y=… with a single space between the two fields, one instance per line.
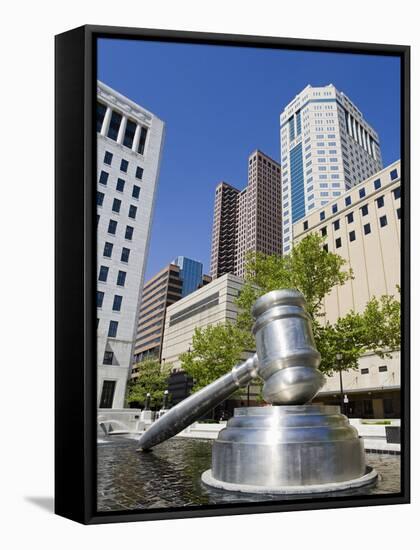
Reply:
x=290 y=446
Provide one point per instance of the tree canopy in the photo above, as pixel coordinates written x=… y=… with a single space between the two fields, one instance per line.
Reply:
x=151 y=379
x=215 y=350
x=315 y=272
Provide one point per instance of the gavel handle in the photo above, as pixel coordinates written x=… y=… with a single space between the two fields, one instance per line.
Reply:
x=191 y=409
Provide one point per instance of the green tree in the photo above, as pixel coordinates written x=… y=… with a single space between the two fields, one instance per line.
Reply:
x=151 y=379
x=308 y=268
x=315 y=272
x=215 y=350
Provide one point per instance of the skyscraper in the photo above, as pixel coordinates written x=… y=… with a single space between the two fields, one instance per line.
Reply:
x=178 y=279
x=129 y=147
x=247 y=220
x=327 y=147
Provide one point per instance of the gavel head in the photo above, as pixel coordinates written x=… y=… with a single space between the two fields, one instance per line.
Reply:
x=287 y=357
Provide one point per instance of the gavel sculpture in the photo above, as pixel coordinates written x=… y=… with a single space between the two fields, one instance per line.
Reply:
x=291 y=446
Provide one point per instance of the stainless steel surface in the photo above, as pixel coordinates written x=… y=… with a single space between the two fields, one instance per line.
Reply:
x=287 y=362
x=287 y=357
x=279 y=446
x=192 y=408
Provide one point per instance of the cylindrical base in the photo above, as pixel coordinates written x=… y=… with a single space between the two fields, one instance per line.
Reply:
x=287 y=446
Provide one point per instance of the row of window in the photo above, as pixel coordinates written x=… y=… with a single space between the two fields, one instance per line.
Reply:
x=114 y=128
x=123 y=165
x=116 y=305
x=116 y=205
x=103 y=275
x=383 y=222
x=362 y=193
x=103 y=180
x=108 y=248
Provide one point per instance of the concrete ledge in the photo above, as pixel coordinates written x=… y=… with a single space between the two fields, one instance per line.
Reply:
x=368 y=479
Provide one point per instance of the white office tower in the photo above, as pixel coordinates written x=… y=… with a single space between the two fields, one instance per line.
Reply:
x=327 y=147
x=129 y=147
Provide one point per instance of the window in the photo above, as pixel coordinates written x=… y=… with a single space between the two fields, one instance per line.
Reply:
x=323 y=231
x=365 y=210
x=397 y=193
x=383 y=368
x=132 y=211
x=399 y=213
x=325 y=247
x=121 y=278
x=352 y=236
x=364 y=371
x=116 y=205
x=100 y=115
x=107 y=395
x=99 y=198
x=347 y=200
x=103 y=273
x=130 y=130
x=334 y=208
x=99 y=298
x=336 y=225
x=136 y=191
x=108 y=357
x=125 y=253
x=124 y=165
x=114 y=125
x=350 y=217
x=305 y=225
x=120 y=184
x=113 y=328
x=380 y=202
x=377 y=184
x=129 y=232
x=393 y=174
x=108 y=158
x=112 y=227
x=103 y=178
x=383 y=221
x=362 y=192
x=139 y=173
x=108 y=249
x=338 y=243
x=322 y=215
x=366 y=229
x=142 y=141
x=116 y=306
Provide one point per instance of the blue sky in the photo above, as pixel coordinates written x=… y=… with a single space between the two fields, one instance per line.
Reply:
x=219 y=104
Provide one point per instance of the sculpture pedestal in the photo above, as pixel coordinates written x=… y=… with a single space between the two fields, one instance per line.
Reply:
x=288 y=449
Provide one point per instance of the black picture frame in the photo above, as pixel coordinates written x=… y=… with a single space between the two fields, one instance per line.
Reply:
x=75 y=250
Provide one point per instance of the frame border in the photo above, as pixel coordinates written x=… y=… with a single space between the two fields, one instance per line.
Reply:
x=75 y=266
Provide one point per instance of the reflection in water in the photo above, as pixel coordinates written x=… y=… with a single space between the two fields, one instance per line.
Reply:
x=170 y=476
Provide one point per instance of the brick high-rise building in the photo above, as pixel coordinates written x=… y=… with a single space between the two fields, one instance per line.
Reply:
x=170 y=284
x=224 y=230
x=247 y=220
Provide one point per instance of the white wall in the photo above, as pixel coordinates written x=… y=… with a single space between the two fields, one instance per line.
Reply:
x=27 y=69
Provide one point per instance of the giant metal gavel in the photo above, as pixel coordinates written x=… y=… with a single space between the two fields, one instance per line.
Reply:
x=286 y=360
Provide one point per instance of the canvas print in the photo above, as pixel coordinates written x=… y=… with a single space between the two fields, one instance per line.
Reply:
x=248 y=207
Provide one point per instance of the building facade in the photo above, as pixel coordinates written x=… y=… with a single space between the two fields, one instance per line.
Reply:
x=225 y=218
x=179 y=278
x=327 y=147
x=129 y=149
x=247 y=220
x=210 y=305
x=363 y=226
